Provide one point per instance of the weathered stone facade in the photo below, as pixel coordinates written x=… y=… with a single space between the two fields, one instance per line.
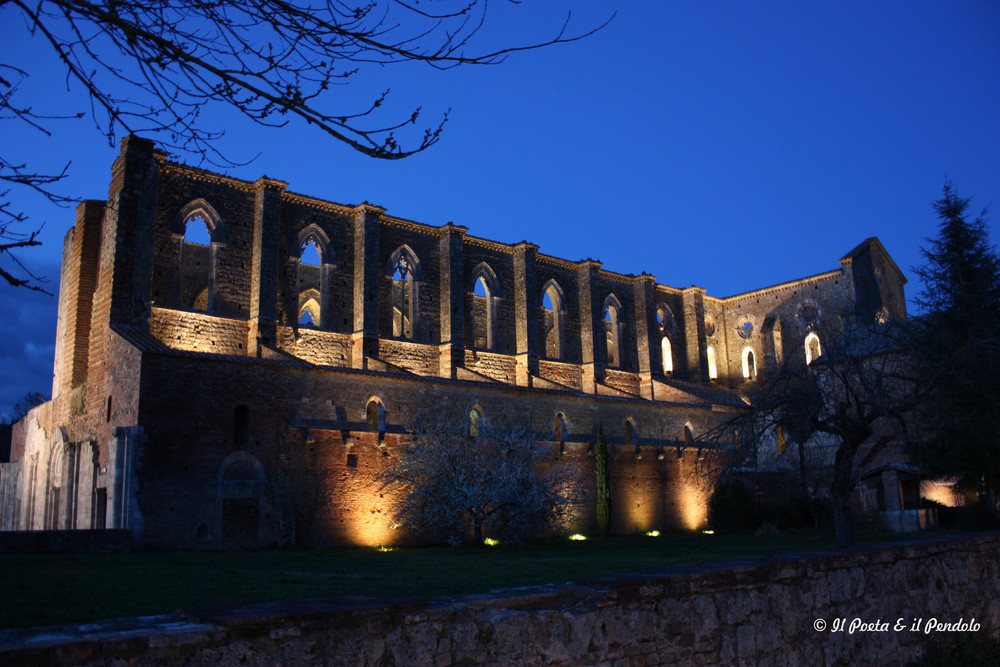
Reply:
x=193 y=381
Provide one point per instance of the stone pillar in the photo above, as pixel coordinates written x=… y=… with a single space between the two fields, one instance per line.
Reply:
x=693 y=300
x=122 y=294
x=592 y=347
x=891 y=491
x=265 y=269
x=647 y=340
x=126 y=453
x=525 y=312
x=452 y=348
x=129 y=236
x=367 y=272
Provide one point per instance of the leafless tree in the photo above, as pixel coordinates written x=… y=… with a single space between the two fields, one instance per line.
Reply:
x=20 y=409
x=840 y=412
x=151 y=67
x=493 y=482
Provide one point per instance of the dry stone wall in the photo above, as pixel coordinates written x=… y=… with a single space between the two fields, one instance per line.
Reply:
x=784 y=611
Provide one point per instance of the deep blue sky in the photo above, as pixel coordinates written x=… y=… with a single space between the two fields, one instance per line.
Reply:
x=721 y=144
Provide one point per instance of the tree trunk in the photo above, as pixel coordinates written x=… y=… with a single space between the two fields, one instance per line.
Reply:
x=843 y=525
x=843 y=467
x=477 y=527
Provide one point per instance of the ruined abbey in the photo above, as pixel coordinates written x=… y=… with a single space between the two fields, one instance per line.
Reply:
x=192 y=381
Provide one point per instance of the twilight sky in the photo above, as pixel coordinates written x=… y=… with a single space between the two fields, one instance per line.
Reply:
x=727 y=145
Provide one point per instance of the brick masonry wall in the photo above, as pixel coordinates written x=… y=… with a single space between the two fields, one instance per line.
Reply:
x=622 y=381
x=570 y=375
x=499 y=367
x=199 y=332
x=414 y=357
x=317 y=416
x=325 y=348
x=778 y=611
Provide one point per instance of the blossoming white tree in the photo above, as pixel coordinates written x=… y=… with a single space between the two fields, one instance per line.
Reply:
x=491 y=481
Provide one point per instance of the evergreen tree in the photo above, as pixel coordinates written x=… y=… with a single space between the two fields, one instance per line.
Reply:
x=962 y=274
x=603 y=484
x=959 y=350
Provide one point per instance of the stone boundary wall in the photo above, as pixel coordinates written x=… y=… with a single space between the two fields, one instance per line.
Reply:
x=764 y=612
x=63 y=541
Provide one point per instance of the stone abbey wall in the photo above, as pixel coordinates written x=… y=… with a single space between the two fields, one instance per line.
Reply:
x=188 y=379
x=304 y=419
x=781 y=611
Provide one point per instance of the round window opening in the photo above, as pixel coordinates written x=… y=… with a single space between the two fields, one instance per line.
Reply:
x=745 y=328
x=709 y=326
x=664 y=317
x=808 y=313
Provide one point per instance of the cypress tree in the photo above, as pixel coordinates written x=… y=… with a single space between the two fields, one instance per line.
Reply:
x=603 y=483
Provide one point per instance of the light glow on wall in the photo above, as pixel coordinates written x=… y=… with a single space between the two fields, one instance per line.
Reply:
x=693 y=503
x=940 y=492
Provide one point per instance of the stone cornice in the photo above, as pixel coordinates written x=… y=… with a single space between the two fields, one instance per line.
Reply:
x=452 y=228
x=265 y=182
x=624 y=278
x=495 y=246
x=196 y=174
x=410 y=225
x=667 y=288
x=364 y=208
x=322 y=204
x=644 y=278
x=557 y=262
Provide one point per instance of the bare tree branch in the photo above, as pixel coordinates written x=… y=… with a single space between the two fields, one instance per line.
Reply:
x=150 y=68
x=858 y=398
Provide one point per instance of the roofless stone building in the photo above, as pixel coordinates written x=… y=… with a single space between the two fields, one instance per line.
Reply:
x=192 y=380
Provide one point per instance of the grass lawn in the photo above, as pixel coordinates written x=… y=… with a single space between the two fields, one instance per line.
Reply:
x=47 y=589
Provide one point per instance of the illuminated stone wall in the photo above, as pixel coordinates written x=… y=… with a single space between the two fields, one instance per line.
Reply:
x=307 y=429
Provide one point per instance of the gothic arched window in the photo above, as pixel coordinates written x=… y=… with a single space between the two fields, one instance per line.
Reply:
x=404 y=269
x=475 y=417
x=485 y=290
x=199 y=233
x=552 y=324
x=375 y=415
x=612 y=330
x=813 y=349
x=749 y=364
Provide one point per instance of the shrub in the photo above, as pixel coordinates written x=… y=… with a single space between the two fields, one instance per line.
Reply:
x=732 y=507
x=788 y=506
